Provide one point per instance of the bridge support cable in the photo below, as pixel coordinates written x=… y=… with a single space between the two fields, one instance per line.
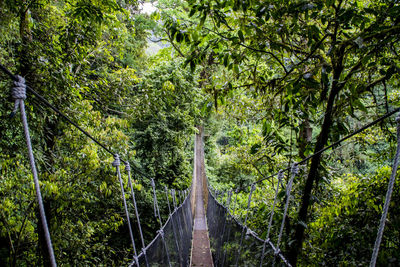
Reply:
x=157 y=214
x=228 y=219
x=180 y=196
x=161 y=251
x=178 y=221
x=173 y=198
x=294 y=171
x=252 y=245
x=116 y=164
x=155 y=203
x=178 y=249
x=161 y=232
x=235 y=202
x=128 y=170
x=268 y=247
x=183 y=219
x=174 y=228
x=337 y=143
x=167 y=197
x=19 y=95
x=219 y=195
x=267 y=240
x=253 y=187
x=221 y=241
x=388 y=197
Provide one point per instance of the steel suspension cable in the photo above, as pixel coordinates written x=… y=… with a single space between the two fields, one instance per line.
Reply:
x=173 y=193
x=280 y=176
x=173 y=198
x=337 y=143
x=161 y=232
x=226 y=215
x=19 y=95
x=231 y=219
x=294 y=171
x=155 y=203
x=174 y=227
x=116 y=164
x=253 y=187
x=128 y=170
x=167 y=197
x=387 y=198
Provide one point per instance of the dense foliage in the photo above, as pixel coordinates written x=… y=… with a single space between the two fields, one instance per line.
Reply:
x=294 y=76
x=272 y=81
x=88 y=59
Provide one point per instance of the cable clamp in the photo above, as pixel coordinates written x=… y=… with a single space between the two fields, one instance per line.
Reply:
x=250 y=232
x=127 y=167
x=161 y=232
x=18 y=92
x=117 y=161
x=280 y=175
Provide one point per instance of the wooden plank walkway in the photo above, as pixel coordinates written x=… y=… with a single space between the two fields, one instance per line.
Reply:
x=201 y=253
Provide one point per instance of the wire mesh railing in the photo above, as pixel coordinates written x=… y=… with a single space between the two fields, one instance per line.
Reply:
x=235 y=244
x=232 y=241
x=171 y=246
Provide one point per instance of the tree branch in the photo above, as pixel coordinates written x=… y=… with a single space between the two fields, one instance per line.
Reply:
x=173 y=44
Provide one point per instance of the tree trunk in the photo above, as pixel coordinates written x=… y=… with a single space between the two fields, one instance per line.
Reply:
x=312 y=176
x=315 y=161
x=26 y=39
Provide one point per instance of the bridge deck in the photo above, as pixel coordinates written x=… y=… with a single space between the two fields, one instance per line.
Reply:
x=201 y=253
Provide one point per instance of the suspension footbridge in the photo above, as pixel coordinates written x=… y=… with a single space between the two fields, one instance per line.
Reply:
x=204 y=227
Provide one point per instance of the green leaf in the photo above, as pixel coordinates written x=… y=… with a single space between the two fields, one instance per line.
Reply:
x=360 y=105
x=192 y=66
x=241 y=37
x=226 y=60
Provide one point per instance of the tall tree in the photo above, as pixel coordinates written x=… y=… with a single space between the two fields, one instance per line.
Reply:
x=312 y=56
